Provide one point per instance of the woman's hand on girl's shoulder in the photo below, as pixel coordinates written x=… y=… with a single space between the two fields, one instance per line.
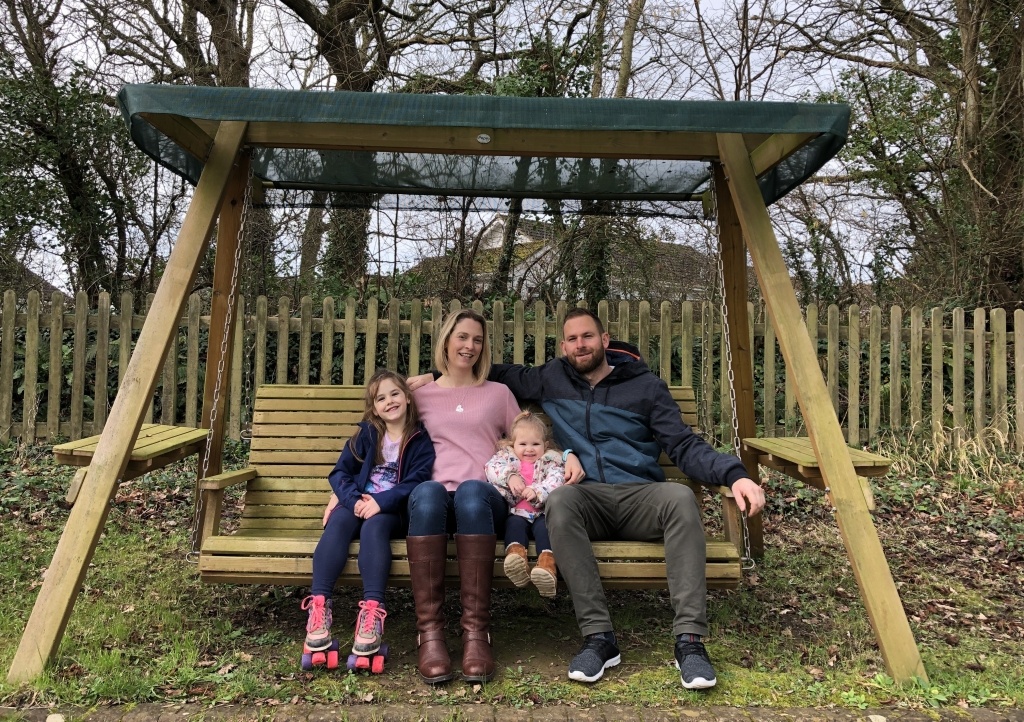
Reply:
x=415 y=382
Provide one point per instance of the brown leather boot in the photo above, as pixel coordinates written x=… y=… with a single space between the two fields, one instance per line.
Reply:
x=476 y=572
x=426 y=570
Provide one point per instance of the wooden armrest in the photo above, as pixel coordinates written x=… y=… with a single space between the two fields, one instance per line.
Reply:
x=227 y=478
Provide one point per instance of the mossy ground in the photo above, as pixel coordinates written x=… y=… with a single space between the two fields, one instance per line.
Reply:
x=145 y=629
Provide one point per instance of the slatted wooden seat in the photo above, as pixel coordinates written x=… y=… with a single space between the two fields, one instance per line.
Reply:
x=297 y=434
x=156 y=446
x=794 y=456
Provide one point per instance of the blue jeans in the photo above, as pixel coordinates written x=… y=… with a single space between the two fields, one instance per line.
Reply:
x=475 y=507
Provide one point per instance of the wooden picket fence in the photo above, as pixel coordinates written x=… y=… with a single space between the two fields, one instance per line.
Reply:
x=959 y=373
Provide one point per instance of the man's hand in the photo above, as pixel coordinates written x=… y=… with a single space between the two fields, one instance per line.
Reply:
x=330 y=507
x=416 y=382
x=573 y=470
x=749 y=496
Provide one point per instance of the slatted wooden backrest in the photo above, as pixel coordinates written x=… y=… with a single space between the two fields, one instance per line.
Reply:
x=687 y=401
x=298 y=433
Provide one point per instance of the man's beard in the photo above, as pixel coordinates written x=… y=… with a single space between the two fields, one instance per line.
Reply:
x=595 y=360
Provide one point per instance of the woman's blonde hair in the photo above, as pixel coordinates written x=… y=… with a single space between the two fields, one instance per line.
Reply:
x=528 y=419
x=482 y=367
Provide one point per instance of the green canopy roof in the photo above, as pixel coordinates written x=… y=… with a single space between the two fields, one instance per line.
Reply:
x=445 y=145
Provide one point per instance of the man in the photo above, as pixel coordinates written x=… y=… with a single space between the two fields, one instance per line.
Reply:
x=617 y=417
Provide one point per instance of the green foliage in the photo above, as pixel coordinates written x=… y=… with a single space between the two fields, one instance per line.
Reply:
x=65 y=158
x=547 y=69
x=914 y=144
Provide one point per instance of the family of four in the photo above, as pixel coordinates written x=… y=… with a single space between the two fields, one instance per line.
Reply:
x=486 y=469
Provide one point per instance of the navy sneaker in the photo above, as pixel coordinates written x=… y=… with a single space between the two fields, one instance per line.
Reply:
x=597 y=654
x=694 y=665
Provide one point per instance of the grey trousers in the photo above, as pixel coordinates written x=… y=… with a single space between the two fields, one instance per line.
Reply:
x=592 y=511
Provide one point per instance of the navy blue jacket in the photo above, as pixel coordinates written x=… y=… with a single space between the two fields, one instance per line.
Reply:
x=619 y=428
x=351 y=477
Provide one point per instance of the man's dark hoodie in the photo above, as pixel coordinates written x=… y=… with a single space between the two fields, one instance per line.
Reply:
x=619 y=427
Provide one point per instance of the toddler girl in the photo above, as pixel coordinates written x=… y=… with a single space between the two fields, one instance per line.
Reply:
x=527 y=468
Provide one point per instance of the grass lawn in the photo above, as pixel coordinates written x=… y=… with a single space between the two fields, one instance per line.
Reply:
x=146 y=630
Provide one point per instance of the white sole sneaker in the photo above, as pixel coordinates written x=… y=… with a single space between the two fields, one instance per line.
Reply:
x=698 y=682
x=580 y=677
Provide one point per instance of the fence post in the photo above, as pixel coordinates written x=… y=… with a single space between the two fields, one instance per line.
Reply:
x=192 y=361
x=853 y=378
x=56 y=370
x=1000 y=418
x=1018 y=366
x=305 y=337
x=937 y=391
x=980 y=420
x=832 y=354
x=875 y=373
x=327 y=342
x=30 y=408
x=260 y=362
x=100 y=396
x=284 y=313
x=7 y=365
x=895 y=367
x=415 y=336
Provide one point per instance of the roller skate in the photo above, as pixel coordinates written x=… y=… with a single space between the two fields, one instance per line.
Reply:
x=369 y=652
x=319 y=649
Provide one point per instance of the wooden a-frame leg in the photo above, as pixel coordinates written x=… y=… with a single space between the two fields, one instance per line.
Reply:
x=734 y=290
x=66 y=572
x=870 y=568
x=229 y=236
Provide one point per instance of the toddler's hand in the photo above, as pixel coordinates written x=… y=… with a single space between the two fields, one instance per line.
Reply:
x=516 y=485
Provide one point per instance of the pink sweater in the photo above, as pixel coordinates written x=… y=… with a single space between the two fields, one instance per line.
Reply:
x=464 y=441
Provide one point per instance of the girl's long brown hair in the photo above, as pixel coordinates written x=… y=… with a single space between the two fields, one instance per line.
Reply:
x=412 y=415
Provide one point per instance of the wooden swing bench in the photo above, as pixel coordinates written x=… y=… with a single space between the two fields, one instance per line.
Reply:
x=297 y=434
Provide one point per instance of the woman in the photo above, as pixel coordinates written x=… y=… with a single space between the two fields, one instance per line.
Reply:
x=465 y=415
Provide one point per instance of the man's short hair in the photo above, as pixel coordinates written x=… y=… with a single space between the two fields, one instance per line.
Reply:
x=578 y=312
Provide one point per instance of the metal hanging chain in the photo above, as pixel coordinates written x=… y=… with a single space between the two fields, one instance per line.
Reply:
x=246 y=412
x=193 y=554
x=747 y=562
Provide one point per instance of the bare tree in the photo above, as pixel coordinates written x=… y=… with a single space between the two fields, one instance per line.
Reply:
x=938 y=91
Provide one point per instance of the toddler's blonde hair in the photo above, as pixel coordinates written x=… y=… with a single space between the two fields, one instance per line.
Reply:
x=528 y=419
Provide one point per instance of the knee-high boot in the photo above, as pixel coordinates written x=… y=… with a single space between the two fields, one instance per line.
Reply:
x=426 y=570
x=476 y=572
